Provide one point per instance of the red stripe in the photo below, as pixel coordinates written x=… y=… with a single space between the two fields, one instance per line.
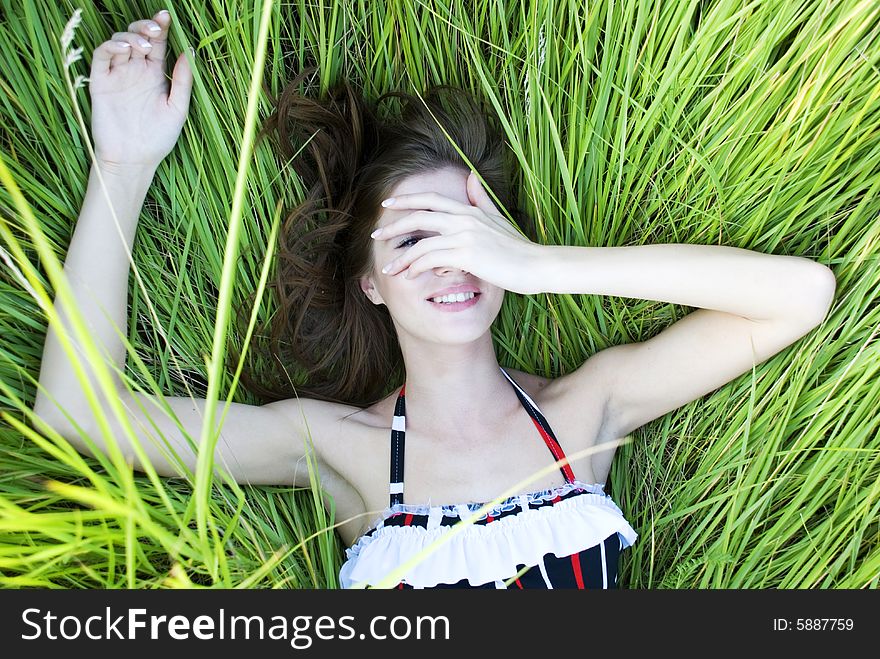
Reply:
x=400 y=586
x=576 y=567
x=519 y=584
x=489 y=519
x=406 y=522
x=556 y=499
x=556 y=450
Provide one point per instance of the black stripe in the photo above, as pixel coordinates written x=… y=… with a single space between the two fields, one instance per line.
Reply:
x=397 y=449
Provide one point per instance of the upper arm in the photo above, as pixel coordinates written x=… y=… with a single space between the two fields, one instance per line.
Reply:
x=264 y=444
x=692 y=357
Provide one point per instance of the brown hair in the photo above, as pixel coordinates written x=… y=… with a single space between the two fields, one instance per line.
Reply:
x=349 y=160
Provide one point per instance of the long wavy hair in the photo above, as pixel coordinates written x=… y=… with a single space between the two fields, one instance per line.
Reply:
x=327 y=340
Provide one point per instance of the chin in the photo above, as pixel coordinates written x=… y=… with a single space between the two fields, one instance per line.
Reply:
x=458 y=338
x=448 y=331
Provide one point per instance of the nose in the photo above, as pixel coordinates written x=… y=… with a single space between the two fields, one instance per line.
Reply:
x=443 y=270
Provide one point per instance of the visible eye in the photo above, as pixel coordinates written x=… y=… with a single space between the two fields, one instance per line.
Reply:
x=409 y=241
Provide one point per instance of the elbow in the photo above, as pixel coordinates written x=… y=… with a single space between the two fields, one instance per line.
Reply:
x=48 y=417
x=821 y=292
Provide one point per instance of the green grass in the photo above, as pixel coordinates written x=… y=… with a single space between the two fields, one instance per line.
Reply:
x=748 y=124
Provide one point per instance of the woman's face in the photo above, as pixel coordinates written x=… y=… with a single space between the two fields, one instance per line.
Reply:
x=409 y=300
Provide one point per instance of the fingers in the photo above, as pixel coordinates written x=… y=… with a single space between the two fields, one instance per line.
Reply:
x=424 y=220
x=478 y=195
x=104 y=54
x=441 y=258
x=140 y=48
x=430 y=201
x=181 y=84
x=155 y=30
x=145 y=39
x=420 y=249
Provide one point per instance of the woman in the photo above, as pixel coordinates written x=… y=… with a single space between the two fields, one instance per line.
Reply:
x=406 y=275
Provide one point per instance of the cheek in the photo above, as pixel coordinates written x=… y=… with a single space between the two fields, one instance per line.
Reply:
x=497 y=301
x=395 y=290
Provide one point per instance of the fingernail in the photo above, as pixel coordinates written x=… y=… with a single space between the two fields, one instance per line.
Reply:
x=124 y=44
x=145 y=44
x=376 y=233
x=388 y=202
x=166 y=12
x=155 y=29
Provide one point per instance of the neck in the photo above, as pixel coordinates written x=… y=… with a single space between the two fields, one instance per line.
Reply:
x=455 y=386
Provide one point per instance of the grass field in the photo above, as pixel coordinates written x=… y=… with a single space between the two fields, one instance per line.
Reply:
x=748 y=124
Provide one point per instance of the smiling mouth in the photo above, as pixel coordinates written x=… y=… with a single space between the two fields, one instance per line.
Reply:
x=453 y=297
x=455 y=302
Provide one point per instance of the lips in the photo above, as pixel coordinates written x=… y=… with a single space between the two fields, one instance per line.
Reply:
x=455 y=306
x=460 y=288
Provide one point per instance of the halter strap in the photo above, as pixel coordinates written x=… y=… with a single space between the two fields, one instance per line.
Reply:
x=398 y=436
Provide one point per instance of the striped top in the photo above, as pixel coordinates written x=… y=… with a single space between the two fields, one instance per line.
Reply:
x=564 y=537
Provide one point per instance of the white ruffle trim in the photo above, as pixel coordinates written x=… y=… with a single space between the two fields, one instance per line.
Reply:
x=490 y=552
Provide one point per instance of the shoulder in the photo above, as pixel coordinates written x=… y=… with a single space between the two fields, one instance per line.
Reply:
x=336 y=428
x=576 y=403
x=588 y=383
x=567 y=401
x=343 y=434
x=326 y=426
x=534 y=385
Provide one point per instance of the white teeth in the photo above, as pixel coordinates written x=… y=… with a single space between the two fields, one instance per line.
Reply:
x=454 y=297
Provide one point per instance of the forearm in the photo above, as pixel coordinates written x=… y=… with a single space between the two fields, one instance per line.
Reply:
x=97 y=269
x=738 y=281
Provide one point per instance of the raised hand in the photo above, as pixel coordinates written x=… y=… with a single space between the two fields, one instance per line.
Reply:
x=474 y=237
x=136 y=116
